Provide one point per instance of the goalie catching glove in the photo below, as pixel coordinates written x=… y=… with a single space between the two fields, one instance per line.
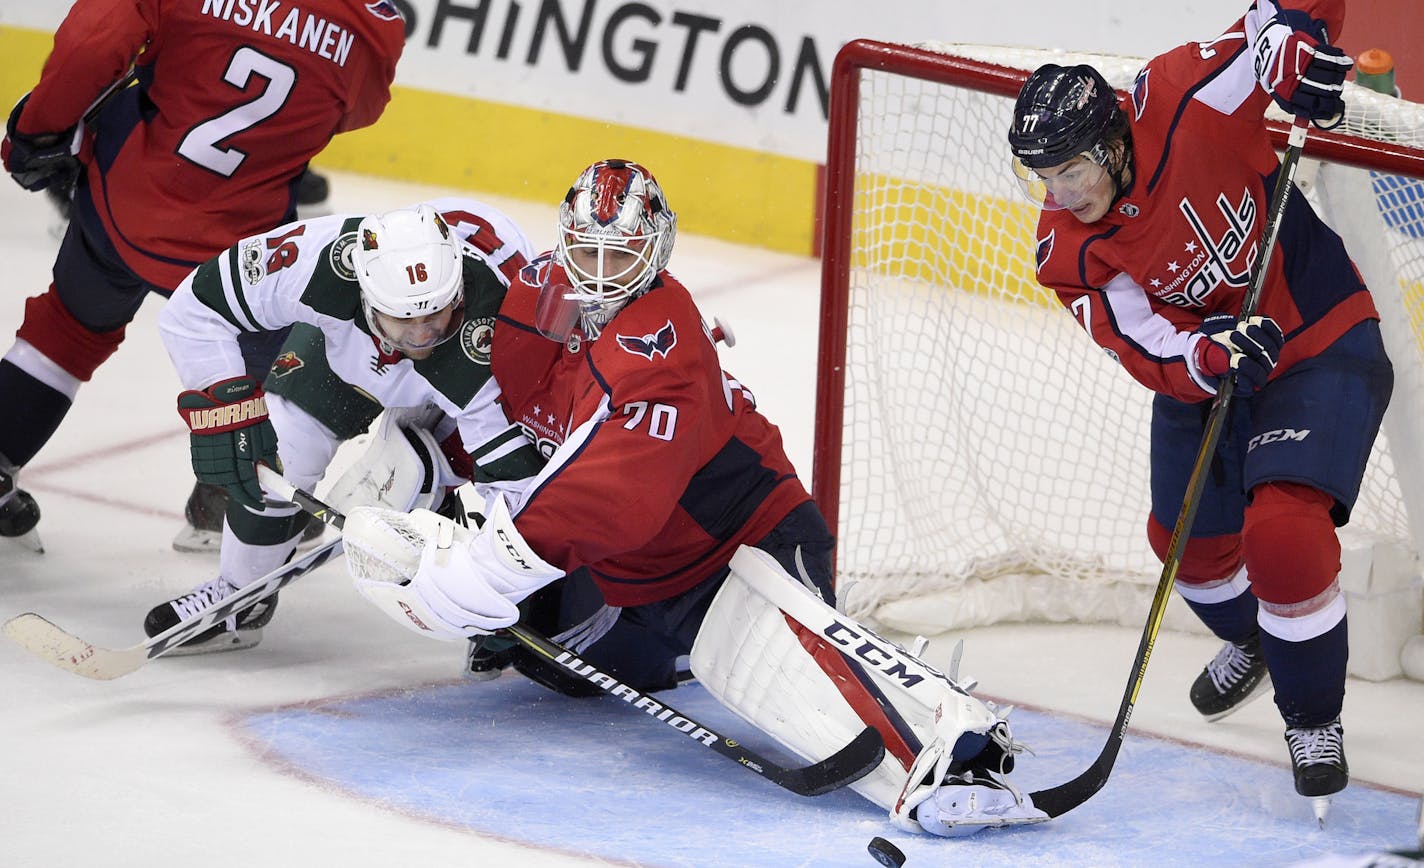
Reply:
x=439 y=579
x=1250 y=348
x=230 y=436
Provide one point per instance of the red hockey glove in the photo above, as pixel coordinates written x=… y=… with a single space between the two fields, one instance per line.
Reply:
x=1303 y=72
x=38 y=161
x=230 y=435
x=1249 y=348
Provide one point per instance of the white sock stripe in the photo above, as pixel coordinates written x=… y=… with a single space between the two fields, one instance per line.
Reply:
x=1304 y=627
x=1215 y=592
x=24 y=356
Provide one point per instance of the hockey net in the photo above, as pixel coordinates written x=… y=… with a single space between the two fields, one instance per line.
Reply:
x=980 y=457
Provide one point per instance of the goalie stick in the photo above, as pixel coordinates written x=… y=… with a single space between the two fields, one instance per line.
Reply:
x=1058 y=800
x=847 y=765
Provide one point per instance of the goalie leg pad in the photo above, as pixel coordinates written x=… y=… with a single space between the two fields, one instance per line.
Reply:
x=813 y=678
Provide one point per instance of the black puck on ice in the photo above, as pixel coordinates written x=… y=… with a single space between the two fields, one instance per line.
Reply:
x=885 y=853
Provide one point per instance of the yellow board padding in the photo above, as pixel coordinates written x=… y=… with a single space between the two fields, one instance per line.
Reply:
x=970 y=241
x=736 y=194
x=744 y=196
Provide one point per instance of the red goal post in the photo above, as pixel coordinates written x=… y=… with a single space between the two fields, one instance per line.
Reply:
x=979 y=458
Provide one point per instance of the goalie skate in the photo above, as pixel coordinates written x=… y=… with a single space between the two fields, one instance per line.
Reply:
x=1233 y=678
x=242 y=630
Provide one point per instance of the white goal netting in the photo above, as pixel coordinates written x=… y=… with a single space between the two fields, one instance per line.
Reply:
x=992 y=460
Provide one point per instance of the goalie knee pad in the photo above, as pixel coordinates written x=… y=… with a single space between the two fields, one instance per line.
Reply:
x=1292 y=553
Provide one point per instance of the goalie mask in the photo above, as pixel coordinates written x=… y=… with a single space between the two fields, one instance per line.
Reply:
x=615 y=234
x=411 y=273
x=1067 y=119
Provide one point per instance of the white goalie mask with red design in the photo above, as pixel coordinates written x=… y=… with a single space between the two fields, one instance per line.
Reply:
x=410 y=269
x=615 y=234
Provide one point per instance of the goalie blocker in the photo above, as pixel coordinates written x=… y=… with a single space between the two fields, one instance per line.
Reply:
x=767 y=648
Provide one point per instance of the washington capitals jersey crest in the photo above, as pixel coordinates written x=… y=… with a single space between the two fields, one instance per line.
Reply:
x=653 y=345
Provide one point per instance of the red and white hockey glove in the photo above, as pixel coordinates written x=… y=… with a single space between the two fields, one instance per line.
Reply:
x=1250 y=348
x=230 y=435
x=40 y=160
x=1302 y=71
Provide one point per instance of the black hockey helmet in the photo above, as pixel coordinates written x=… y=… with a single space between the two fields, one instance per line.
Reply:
x=1061 y=111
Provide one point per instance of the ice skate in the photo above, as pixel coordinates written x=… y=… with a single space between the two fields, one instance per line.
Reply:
x=204 y=511
x=1233 y=678
x=19 y=514
x=486 y=657
x=313 y=191
x=241 y=630
x=1318 y=762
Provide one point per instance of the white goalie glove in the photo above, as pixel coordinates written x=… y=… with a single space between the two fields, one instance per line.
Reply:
x=439 y=579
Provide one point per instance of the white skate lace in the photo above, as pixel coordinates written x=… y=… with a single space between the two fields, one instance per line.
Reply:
x=1312 y=745
x=1229 y=666
x=203 y=597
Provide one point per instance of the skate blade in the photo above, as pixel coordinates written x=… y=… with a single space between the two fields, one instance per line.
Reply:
x=225 y=641
x=30 y=540
x=1320 y=806
x=191 y=540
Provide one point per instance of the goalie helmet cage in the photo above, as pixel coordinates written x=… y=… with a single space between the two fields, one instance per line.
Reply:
x=980 y=458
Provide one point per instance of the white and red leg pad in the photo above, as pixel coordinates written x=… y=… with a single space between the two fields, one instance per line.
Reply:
x=812 y=678
x=52 y=331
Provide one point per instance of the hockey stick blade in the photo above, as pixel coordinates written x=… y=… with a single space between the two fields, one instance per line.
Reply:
x=55 y=646
x=847 y=765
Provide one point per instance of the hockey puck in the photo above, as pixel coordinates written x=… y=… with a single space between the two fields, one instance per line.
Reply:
x=885 y=853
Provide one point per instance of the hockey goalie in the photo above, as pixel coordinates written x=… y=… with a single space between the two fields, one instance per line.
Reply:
x=666 y=522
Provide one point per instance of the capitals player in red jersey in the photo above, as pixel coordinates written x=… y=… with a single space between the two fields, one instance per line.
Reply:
x=1153 y=213
x=230 y=102
x=667 y=521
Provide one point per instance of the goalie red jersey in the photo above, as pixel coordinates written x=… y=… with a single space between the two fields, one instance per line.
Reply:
x=659 y=463
x=233 y=99
x=1179 y=244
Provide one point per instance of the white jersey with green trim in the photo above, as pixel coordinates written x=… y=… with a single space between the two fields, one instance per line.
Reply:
x=302 y=273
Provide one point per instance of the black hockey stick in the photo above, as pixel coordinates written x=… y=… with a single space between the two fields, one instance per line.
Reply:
x=851 y=763
x=1058 y=800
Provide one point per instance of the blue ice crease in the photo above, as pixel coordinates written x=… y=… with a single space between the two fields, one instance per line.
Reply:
x=593 y=776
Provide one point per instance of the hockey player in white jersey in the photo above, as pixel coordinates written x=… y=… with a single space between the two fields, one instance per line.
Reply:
x=389 y=311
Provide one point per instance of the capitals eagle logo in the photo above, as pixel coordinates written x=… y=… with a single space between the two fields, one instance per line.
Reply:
x=652 y=345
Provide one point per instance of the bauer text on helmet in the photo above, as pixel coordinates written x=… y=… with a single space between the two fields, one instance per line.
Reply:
x=411 y=272
x=616 y=233
x=1070 y=141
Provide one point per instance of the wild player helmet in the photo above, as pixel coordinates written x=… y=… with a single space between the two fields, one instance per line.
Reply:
x=615 y=234
x=1063 y=112
x=411 y=272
